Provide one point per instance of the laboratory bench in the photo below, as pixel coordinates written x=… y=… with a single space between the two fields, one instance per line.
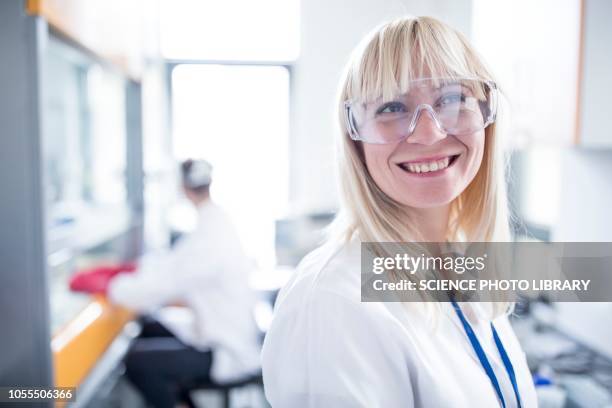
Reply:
x=567 y=373
x=88 y=349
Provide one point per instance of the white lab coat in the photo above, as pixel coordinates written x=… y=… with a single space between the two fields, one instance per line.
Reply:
x=325 y=348
x=208 y=272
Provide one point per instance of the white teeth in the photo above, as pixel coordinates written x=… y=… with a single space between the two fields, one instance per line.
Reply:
x=427 y=167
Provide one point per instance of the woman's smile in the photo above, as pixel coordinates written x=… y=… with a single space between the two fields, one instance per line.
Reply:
x=428 y=167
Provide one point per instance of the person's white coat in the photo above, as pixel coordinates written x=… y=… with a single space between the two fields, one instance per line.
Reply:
x=208 y=272
x=326 y=348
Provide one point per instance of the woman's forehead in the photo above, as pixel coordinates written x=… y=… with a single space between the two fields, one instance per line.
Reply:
x=386 y=76
x=413 y=85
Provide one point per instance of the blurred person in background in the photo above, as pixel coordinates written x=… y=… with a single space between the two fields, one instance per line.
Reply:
x=207 y=273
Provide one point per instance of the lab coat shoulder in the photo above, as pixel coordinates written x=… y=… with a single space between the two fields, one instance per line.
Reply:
x=325 y=347
x=211 y=251
x=214 y=238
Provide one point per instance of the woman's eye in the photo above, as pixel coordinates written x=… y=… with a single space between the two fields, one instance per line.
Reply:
x=393 y=107
x=451 y=99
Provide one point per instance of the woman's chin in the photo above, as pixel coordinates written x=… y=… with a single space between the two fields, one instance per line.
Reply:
x=429 y=201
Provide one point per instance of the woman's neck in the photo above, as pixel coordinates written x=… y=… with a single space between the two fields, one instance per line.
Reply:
x=432 y=223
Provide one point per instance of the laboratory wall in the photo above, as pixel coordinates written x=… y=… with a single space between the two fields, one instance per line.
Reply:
x=585 y=197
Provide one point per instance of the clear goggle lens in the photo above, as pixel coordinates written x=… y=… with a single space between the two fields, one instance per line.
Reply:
x=458 y=106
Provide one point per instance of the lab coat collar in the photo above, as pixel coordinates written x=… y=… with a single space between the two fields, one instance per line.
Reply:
x=402 y=311
x=476 y=315
x=206 y=205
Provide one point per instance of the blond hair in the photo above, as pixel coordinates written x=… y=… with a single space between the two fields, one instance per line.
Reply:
x=383 y=65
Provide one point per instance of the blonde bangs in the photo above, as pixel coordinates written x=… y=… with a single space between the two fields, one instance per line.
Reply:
x=404 y=50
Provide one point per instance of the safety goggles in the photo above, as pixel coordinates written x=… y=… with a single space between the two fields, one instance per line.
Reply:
x=458 y=106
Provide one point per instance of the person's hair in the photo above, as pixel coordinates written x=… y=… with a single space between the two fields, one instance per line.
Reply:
x=382 y=65
x=195 y=176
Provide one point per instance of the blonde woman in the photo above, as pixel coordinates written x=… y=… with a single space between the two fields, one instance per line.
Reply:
x=419 y=161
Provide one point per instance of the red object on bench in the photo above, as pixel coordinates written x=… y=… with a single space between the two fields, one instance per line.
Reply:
x=96 y=280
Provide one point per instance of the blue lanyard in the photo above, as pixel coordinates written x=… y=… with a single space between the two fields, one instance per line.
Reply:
x=484 y=361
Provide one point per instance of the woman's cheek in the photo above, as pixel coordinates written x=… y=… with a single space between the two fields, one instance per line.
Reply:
x=377 y=157
x=475 y=150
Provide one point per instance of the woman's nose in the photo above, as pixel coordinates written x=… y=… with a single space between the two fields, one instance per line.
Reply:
x=426 y=130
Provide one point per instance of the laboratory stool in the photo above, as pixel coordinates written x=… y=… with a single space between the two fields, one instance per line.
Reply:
x=224 y=389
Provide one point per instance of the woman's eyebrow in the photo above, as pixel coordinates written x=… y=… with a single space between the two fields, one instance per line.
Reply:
x=463 y=86
x=449 y=83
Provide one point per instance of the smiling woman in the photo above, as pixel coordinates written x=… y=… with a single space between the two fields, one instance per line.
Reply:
x=419 y=160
